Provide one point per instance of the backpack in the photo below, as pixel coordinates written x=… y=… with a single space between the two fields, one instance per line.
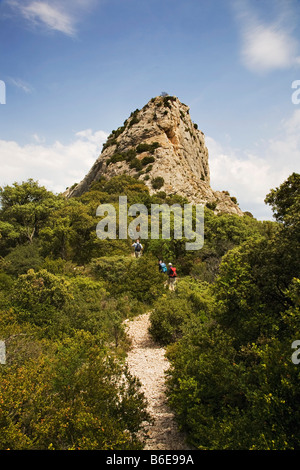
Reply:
x=173 y=272
x=163 y=267
x=138 y=247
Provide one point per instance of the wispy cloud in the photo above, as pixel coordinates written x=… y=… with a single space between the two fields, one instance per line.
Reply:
x=62 y=15
x=50 y=15
x=267 y=46
x=20 y=84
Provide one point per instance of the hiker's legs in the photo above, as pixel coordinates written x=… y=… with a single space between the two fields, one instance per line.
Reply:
x=172 y=281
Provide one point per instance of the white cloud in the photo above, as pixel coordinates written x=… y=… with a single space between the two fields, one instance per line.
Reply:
x=249 y=176
x=51 y=16
x=284 y=151
x=267 y=46
x=56 y=166
x=248 y=179
x=56 y=15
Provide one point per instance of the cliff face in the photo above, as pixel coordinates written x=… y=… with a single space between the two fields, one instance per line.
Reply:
x=161 y=145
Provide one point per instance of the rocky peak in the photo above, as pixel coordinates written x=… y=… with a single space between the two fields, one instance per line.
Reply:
x=160 y=145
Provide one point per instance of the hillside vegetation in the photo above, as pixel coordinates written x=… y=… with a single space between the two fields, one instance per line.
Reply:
x=228 y=327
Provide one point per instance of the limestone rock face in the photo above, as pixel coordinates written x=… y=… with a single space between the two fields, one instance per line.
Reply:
x=161 y=146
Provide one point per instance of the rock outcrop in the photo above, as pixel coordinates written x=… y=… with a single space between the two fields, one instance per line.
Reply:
x=160 y=145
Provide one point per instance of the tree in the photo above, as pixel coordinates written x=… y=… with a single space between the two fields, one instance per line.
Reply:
x=24 y=257
x=232 y=382
x=40 y=296
x=285 y=200
x=27 y=207
x=70 y=232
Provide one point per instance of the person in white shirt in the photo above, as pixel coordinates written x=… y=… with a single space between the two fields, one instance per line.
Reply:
x=138 y=247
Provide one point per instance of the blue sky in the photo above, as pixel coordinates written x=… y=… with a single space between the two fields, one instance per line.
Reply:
x=75 y=70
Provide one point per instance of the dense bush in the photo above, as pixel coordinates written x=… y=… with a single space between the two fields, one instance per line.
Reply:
x=167 y=100
x=40 y=296
x=228 y=328
x=232 y=382
x=139 y=278
x=24 y=257
x=130 y=156
x=134 y=119
x=79 y=397
x=172 y=311
x=147 y=147
x=157 y=182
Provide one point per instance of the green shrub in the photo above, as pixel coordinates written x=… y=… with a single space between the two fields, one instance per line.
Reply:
x=128 y=156
x=143 y=280
x=136 y=163
x=147 y=147
x=95 y=310
x=147 y=160
x=139 y=278
x=111 y=269
x=157 y=182
x=167 y=318
x=139 y=164
x=134 y=118
x=173 y=311
x=77 y=398
x=110 y=141
x=22 y=258
x=116 y=157
x=167 y=100
x=112 y=138
x=40 y=297
x=118 y=132
x=123 y=184
x=211 y=205
x=232 y=383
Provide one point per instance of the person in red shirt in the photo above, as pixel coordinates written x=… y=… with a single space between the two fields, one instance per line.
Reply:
x=172 y=276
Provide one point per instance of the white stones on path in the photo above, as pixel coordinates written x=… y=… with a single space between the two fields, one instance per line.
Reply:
x=146 y=360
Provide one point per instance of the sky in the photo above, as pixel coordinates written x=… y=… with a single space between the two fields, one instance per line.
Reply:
x=71 y=71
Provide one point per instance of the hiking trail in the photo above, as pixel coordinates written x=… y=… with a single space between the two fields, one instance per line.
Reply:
x=146 y=360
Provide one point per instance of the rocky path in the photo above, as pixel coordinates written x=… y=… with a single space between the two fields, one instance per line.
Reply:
x=146 y=360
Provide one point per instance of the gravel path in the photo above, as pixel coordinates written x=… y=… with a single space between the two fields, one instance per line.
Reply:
x=146 y=360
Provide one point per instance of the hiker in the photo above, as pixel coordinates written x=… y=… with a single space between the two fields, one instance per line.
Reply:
x=162 y=267
x=172 y=276
x=137 y=248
